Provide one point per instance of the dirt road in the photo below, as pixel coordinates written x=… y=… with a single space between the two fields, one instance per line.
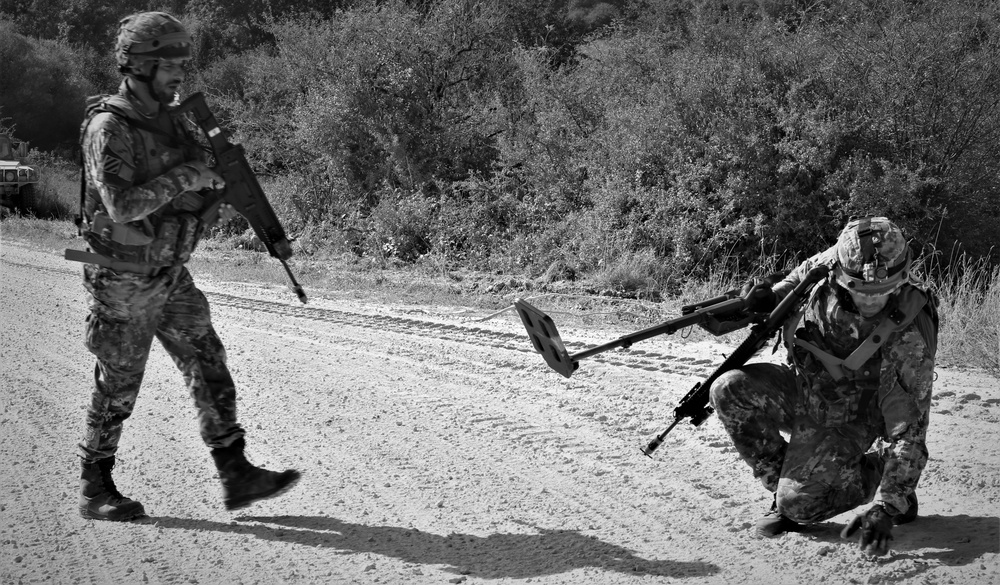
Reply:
x=436 y=447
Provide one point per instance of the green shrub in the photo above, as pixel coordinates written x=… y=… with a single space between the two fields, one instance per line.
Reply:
x=43 y=88
x=57 y=193
x=399 y=227
x=669 y=139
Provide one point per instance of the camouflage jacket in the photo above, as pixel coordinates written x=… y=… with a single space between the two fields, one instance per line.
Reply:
x=135 y=178
x=888 y=396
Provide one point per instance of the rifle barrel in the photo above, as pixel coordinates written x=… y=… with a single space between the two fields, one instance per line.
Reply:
x=655 y=443
x=296 y=287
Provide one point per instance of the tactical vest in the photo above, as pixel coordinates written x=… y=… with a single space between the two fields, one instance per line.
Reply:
x=166 y=237
x=841 y=390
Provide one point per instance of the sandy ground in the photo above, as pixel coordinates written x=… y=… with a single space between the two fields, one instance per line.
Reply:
x=435 y=447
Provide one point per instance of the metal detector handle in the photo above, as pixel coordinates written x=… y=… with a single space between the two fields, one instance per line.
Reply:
x=770 y=280
x=727 y=307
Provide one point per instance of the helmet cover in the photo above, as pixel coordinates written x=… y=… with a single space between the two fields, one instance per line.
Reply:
x=872 y=257
x=149 y=36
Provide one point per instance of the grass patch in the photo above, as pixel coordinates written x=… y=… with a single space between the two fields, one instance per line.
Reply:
x=50 y=235
x=57 y=194
x=970 y=314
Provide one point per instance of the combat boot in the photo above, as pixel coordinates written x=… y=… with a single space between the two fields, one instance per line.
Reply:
x=243 y=483
x=100 y=499
x=774 y=523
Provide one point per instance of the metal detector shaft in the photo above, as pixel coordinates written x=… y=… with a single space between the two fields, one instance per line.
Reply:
x=672 y=326
x=545 y=337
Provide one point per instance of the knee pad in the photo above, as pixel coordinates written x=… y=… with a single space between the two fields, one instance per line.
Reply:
x=804 y=503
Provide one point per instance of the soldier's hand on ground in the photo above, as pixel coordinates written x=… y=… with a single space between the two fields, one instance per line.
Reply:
x=876 y=530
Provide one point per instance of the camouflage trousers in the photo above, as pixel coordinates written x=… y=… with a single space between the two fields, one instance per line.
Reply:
x=127 y=312
x=819 y=472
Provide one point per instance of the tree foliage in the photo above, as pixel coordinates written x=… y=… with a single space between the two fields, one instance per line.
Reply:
x=675 y=134
x=42 y=89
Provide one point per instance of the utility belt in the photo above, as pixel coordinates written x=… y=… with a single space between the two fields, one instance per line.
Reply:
x=160 y=242
x=116 y=265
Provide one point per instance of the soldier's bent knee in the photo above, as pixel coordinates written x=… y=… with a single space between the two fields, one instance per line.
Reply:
x=803 y=503
x=722 y=389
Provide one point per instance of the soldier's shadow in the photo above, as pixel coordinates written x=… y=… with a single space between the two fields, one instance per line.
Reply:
x=933 y=540
x=514 y=556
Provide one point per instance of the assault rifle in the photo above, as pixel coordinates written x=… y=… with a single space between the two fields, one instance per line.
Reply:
x=730 y=306
x=242 y=190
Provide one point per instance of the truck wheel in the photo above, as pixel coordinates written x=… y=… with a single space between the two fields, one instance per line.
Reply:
x=25 y=199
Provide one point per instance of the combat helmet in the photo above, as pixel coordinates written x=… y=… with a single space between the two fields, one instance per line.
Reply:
x=150 y=36
x=872 y=257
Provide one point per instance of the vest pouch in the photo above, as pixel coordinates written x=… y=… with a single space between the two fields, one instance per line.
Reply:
x=120 y=233
x=176 y=237
x=832 y=404
x=164 y=250
x=188 y=236
x=188 y=201
x=124 y=242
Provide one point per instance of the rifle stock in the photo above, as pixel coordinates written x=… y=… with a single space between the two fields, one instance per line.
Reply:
x=695 y=404
x=242 y=190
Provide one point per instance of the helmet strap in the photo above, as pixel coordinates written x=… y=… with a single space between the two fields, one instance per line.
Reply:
x=147 y=80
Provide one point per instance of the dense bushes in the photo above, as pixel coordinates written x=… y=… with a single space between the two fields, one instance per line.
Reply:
x=668 y=136
x=42 y=88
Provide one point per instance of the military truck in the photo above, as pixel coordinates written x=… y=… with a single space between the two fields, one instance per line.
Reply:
x=17 y=180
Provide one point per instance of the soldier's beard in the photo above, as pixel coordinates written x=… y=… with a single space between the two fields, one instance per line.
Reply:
x=163 y=94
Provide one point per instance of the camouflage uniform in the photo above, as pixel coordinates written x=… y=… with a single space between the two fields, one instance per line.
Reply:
x=828 y=466
x=142 y=212
x=143 y=218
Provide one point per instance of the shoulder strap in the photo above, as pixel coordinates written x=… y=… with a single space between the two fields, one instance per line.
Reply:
x=911 y=303
x=116 y=104
x=95 y=105
x=98 y=104
x=927 y=321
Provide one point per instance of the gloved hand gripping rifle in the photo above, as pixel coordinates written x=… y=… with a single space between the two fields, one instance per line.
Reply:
x=242 y=190
x=695 y=404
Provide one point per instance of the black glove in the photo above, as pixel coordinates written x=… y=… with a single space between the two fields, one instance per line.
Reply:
x=188 y=201
x=876 y=530
x=759 y=297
